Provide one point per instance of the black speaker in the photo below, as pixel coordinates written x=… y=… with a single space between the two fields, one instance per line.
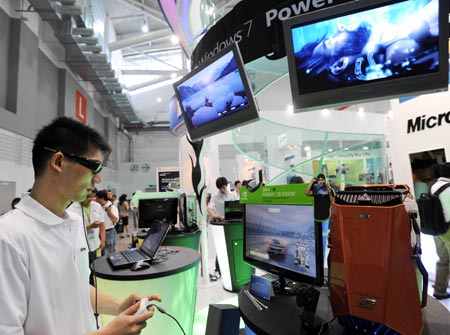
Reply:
x=223 y=319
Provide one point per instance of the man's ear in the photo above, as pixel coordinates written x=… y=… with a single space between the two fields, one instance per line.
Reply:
x=56 y=161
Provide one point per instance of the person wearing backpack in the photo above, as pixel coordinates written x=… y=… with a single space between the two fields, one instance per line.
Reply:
x=442 y=241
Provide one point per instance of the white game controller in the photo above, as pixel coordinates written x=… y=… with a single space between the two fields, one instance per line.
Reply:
x=142 y=307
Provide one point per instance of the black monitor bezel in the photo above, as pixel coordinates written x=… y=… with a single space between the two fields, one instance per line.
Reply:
x=370 y=91
x=286 y=273
x=228 y=122
x=173 y=200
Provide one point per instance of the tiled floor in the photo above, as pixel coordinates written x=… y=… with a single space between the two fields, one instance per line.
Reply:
x=209 y=292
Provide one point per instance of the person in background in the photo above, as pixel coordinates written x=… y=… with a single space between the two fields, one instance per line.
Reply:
x=216 y=210
x=442 y=242
x=14 y=202
x=323 y=197
x=114 y=200
x=237 y=189
x=44 y=284
x=296 y=180
x=111 y=218
x=124 y=209
x=94 y=222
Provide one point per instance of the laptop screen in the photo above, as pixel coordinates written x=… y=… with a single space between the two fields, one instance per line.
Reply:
x=155 y=237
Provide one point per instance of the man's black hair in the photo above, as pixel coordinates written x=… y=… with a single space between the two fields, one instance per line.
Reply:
x=102 y=195
x=237 y=182
x=221 y=182
x=444 y=170
x=68 y=135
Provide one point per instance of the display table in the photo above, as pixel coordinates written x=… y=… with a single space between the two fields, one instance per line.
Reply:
x=173 y=277
x=282 y=315
x=229 y=237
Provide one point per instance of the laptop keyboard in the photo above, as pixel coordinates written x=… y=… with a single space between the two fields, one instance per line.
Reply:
x=133 y=255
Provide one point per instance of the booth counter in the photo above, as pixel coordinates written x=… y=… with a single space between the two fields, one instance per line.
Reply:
x=173 y=277
x=282 y=316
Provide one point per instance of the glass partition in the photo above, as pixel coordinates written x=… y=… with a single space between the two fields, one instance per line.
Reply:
x=285 y=151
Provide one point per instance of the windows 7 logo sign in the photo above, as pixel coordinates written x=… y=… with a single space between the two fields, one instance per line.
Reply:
x=80 y=107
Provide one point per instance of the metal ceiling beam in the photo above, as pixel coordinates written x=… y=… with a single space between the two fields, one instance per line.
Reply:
x=139 y=39
x=148 y=83
x=157 y=15
x=153 y=72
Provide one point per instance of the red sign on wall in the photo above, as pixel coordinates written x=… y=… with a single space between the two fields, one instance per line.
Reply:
x=80 y=112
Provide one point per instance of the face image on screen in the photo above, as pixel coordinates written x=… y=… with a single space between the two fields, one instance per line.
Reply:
x=282 y=238
x=157 y=210
x=397 y=40
x=215 y=92
x=368 y=50
x=216 y=95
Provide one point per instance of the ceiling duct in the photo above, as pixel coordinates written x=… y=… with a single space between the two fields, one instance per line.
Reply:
x=67 y=9
x=82 y=31
x=85 y=40
x=84 y=55
x=109 y=73
x=97 y=58
x=92 y=48
x=101 y=67
x=110 y=80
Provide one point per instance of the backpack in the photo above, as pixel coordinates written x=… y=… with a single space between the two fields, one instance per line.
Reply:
x=432 y=220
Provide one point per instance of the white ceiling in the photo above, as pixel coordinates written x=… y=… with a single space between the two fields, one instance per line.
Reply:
x=150 y=59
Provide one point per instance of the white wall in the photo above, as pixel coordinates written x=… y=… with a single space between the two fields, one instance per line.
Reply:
x=402 y=144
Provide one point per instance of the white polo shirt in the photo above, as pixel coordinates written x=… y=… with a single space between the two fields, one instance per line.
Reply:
x=44 y=281
x=217 y=203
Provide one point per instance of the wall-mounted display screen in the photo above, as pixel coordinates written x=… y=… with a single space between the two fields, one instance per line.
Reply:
x=367 y=50
x=216 y=95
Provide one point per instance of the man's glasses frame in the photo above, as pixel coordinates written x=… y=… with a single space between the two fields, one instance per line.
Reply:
x=94 y=165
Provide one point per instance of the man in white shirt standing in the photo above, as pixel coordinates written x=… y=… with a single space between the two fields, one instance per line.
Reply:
x=44 y=282
x=94 y=222
x=442 y=242
x=216 y=211
x=111 y=219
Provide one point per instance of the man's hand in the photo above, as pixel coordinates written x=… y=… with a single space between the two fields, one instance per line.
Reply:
x=132 y=299
x=126 y=323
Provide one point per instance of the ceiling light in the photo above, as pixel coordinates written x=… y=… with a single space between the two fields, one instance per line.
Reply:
x=365 y=148
x=144 y=28
x=325 y=112
x=174 y=39
x=158 y=99
x=290 y=109
x=307 y=148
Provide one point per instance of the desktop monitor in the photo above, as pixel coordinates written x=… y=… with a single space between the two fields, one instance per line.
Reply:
x=157 y=210
x=216 y=96
x=367 y=50
x=284 y=240
x=234 y=210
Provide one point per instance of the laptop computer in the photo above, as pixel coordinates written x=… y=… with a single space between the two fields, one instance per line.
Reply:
x=146 y=252
x=234 y=211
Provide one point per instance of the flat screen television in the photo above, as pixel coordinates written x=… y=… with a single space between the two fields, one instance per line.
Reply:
x=157 y=210
x=367 y=50
x=284 y=240
x=216 y=95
